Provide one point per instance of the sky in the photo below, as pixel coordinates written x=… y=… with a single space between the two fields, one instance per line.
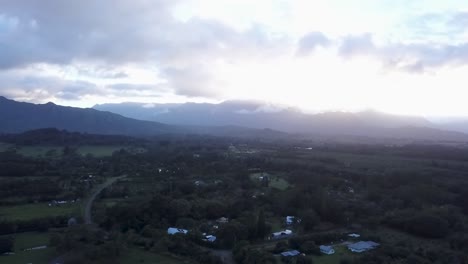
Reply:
x=404 y=57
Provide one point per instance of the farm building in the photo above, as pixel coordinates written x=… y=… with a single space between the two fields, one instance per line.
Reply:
x=291 y=253
x=281 y=234
x=209 y=238
x=327 y=250
x=362 y=246
x=290 y=220
x=173 y=231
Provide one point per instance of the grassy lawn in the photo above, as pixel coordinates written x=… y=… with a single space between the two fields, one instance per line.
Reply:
x=98 y=151
x=39 y=210
x=340 y=252
x=279 y=183
x=4 y=146
x=106 y=151
x=42 y=256
x=29 y=240
x=40 y=151
x=275 y=182
x=134 y=255
x=110 y=202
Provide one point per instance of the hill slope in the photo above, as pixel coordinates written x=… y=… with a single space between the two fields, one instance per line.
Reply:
x=16 y=117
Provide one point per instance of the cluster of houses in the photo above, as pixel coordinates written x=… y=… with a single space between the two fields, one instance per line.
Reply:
x=205 y=237
x=357 y=247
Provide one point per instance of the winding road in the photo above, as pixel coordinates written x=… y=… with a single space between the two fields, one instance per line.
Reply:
x=94 y=194
x=89 y=205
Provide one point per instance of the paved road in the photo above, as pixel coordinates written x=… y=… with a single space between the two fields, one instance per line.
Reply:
x=94 y=194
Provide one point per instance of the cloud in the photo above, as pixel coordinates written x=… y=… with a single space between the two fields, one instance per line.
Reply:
x=39 y=89
x=311 y=41
x=131 y=32
x=413 y=58
x=193 y=81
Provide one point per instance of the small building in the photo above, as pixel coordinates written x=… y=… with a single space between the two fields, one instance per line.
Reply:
x=362 y=246
x=327 y=250
x=209 y=238
x=281 y=234
x=290 y=253
x=222 y=220
x=354 y=235
x=290 y=220
x=174 y=230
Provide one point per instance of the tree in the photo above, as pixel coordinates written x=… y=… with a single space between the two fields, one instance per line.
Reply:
x=309 y=220
x=6 y=244
x=261 y=225
x=304 y=260
x=281 y=247
x=310 y=247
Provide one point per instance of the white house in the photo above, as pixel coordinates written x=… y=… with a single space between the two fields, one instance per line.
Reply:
x=174 y=230
x=209 y=238
x=222 y=220
x=327 y=250
x=291 y=253
x=281 y=234
x=362 y=246
x=290 y=220
x=354 y=235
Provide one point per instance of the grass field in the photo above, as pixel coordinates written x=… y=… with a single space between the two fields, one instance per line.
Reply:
x=29 y=240
x=40 y=151
x=275 y=182
x=279 y=183
x=340 y=253
x=39 y=210
x=42 y=256
x=56 y=151
x=98 y=151
x=134 y=255
x=4 y=146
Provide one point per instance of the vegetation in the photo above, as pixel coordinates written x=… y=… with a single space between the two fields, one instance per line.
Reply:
x=410 y=199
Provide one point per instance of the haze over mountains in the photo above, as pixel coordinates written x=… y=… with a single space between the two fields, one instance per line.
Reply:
x=230 y=118
x=292 y=120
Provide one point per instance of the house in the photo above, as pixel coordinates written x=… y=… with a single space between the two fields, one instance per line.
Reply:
x=291 y=253
x=362 y=246
x=354 y=235
x=327 y=250
x=281 y=234
x=222 y=220
x=174 y=230
x=209 y=238
x=290 y=220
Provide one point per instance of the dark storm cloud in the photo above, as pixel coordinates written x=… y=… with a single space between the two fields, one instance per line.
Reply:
x=311 y=41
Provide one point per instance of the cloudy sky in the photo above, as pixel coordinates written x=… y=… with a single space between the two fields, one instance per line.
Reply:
x=398 y=56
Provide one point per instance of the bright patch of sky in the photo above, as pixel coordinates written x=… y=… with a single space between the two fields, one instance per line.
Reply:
x=405 y=57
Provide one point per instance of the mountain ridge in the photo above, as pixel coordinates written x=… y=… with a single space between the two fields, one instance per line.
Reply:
x=234 y=120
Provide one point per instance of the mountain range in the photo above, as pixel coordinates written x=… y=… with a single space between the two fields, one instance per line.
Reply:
x=260 y=115
x=230 y=118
